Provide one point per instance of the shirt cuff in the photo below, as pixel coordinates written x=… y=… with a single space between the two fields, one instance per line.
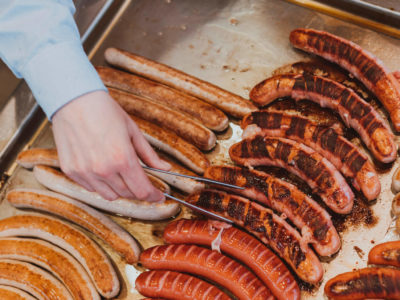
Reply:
x=60 y=73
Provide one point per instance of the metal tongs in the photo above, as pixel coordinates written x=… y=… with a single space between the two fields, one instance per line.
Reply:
x=192 y=206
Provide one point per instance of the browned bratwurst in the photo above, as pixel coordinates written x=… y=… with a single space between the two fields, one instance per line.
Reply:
x=205 y=113
x=354 y=111
x=159 y=114
x=285 y=198
x=362 y=64
x=338 y=150
x=371 y=283
x=224 y=100
x=267 y=226
x=300 y=160
x=385 y=254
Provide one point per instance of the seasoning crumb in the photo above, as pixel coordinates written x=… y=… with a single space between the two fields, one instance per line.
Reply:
x=202 y=67
x=191 y=46
x=234 y=21
x=183 y=27
x=359 y=251
x=372 y=242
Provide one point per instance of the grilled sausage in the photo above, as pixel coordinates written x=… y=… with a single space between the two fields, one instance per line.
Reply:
x=224 y=100
x=241 y=246
x=81 y=214
x=185 y=127
x=338 y=150
x=32 y=279
x=206 y=114
x=285 y=198
x=209 y=264
x=385 y=254
x=38 y=156
x=396 y=205
x=365 y=283
x=175 y=146
x=354 y=111
x=302 y=161
x=11 y=293
x=178 y=286
x=396 y=181
x=87 y=252
x=362 y=64
x=57 y=261
x=267 y=226
x=143 y=210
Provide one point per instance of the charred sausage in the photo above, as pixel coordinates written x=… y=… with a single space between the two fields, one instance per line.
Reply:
x=385 y=254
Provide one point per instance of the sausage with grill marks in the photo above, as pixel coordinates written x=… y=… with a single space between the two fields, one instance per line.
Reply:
x=177 y=286
x=382 y=283
x=313 y=221
x=265 y=225
x=354 y=111
x=302 y=161
x=209 y=264
x=385 y=254
x=362 y=64
x=207 y=114
x=338 y=150
x=241 y=246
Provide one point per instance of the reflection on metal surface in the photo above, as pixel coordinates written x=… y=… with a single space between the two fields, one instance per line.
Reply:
x=347 y=16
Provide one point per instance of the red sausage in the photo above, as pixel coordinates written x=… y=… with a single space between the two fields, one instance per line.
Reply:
x=365 y=283
x=385 y=254
x=209 y=264
x=241 y=246
x=175 y=285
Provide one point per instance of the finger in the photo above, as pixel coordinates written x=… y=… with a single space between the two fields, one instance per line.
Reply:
x=79 y=180
x=102 y=188
x=144 y=150
x=118 y=185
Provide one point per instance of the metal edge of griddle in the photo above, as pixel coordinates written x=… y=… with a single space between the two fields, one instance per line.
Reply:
x=348 y=16
x=35 y=121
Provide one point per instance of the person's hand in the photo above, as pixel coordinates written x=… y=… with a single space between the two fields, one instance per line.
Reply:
x=99 y=145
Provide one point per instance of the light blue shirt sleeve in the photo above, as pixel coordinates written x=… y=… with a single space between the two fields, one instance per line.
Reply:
x=39 y=41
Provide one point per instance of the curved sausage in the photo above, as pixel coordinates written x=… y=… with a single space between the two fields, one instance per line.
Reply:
x=354 y=111
x=385 y=254
x=81 y=214
x=143 y=210
x=175 y=146
x=300 y=160
x=161 y=115
x=365 y=283
x=396 y=180
x=206 y=114
x=11 y=293
x=338 y=150
x=396 y=205
x=224 y=100
x=362 y=64
x=87 y=252
x=313 y=221
x=32 y=279
x=241 y=246
x=177 y=286
x=209 y=264
x=267 y=226
x=53 y=259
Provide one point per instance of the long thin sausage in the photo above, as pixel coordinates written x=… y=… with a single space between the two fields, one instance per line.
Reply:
x=224 y=100
x=241 y=246
x=207 y=114
x=300 y=160
x=87 y=252
x=81 y=214
x=382 y=283
x=176 y=286
x=338 y=150
x=209 y=264
x=143 y=210
x=185 y=127
x=354 y=111
x=385 y=254
x=11 y=293
x=175 y=146
x=305 y=213
x=53 y=259
x=362 y=64
x=32 y=279
x=268 y=227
